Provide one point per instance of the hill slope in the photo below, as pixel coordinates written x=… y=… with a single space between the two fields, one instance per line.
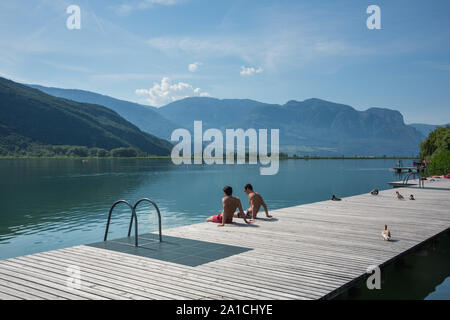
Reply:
x=33 y=115
x=145 y=118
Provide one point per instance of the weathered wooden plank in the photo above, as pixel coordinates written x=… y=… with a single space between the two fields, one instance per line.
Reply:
x=19 y=294
x=28 y=282
x=38 y=293
x=213 y=276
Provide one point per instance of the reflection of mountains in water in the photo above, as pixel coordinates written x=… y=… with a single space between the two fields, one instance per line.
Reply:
x=57 y=198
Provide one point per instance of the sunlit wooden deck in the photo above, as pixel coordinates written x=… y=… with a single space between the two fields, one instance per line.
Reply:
x=309 y=251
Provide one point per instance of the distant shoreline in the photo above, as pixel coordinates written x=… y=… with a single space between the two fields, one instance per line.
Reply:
x=168 y=157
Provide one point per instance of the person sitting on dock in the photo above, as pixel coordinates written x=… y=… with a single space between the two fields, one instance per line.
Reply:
x=256 y=201
x=230 y=204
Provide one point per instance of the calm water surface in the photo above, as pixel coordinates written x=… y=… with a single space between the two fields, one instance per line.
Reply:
x=55 y=203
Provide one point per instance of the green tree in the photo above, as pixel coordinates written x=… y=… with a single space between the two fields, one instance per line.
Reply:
x=437 y=140
x=78 y=152
x=124 y=152
x=440 y=163
x=436 y=149
x=102 y=153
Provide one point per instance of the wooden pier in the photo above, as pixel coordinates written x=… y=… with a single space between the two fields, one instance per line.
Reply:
x=311 y=251
x=405 y=169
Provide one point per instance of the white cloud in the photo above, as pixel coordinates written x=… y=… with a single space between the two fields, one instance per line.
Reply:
x=122 y=9
x=126 y=8
x=250 y=71
x=270 y=50
x=194 y=66
x=166 y=92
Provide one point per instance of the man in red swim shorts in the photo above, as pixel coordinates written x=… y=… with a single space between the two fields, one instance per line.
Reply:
x=230 y=204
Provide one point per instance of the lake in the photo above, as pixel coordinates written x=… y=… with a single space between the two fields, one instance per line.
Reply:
x=55 y=203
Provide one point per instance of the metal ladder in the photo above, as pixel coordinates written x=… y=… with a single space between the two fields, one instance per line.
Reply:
x=406 y=179
x=133 y=217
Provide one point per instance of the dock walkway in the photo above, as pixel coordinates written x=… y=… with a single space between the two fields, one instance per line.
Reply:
x=310 y=251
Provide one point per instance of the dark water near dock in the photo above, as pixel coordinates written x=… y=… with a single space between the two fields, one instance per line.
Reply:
x=49 y=204
x=421 y=274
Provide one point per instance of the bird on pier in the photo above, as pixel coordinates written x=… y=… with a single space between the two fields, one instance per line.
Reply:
x=334 y=198
x=399 y=196
x=374 y=192
x=386 y=234
x=411 y=197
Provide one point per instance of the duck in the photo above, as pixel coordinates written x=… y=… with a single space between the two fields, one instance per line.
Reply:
x=386 y=234
x=334 y=198
x=399 y=196
x=374 y=192
x=411 y=197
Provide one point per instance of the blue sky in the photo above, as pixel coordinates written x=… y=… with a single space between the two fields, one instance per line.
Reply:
x=155 y=51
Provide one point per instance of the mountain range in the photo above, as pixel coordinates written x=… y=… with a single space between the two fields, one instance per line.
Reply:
x=31 y=116
x=313 y=126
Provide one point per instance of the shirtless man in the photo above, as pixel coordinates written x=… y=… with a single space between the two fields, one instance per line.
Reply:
x=256 y=201
x=230 y=204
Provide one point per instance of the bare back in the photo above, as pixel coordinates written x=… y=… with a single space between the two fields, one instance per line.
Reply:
x=255 y=200
x=230 y=204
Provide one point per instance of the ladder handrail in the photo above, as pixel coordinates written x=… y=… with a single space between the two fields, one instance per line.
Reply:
x=157 y=210
x=406 y=178
x=133 y=215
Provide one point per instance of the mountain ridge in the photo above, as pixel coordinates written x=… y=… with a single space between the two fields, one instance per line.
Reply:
x=135 y=113
x=425 y=129
x=310 y=126
x=328 y=127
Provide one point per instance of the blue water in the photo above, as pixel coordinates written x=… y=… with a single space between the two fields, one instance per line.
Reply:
x=55 y=203
x=442 y=291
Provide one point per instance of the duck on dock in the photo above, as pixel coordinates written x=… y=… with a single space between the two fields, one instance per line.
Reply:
x=399 y=196
x=411 y=197
x=334 y=198
x=386 y=234
x=374 y=192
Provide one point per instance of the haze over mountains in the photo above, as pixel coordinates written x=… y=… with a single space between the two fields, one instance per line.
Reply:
x=30 y=116
x=425 y=129
x=313 y=126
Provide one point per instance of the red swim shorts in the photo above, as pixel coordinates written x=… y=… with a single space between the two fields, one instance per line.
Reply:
x=218 y=219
